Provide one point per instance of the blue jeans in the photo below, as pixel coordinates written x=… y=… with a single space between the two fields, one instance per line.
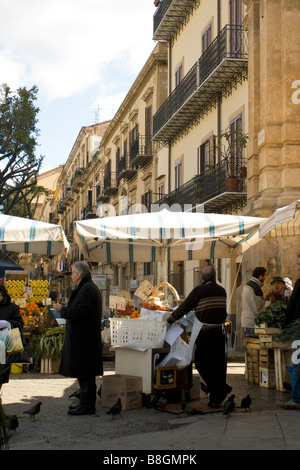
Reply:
x=296 y=388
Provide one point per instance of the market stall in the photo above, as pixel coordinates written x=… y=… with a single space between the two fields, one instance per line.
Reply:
x=160 y=236
x=22 y=235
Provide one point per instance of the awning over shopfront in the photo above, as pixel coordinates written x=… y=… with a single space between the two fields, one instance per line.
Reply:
x=31 y=236
x=285 y=222
x=165 y=236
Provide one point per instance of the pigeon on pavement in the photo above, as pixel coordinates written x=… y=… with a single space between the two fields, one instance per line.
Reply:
x=246 y=402
x=33 y=411
x=12 y=422
x=229 y=406
x=115 y=409
x=189 y=411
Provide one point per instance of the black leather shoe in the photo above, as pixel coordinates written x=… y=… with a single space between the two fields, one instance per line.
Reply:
x=72 y=407
x=81 y=410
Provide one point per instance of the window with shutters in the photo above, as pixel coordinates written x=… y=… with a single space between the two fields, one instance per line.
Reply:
x=236 y=129
x=117 y=158
x=206 y=38
x=161 y=190
x=146 y=200
x=133 y=134
x=125 y=147
x=235 y=19
x=148 y=129
x=178 y=174
x=108 y=167
x=206 y=155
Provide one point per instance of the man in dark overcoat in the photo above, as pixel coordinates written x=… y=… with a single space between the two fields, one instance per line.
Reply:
x=82 y=351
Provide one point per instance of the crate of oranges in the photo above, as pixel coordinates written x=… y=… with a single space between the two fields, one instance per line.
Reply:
x=31 y=314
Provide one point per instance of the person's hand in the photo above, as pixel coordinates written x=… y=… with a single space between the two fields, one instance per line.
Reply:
x=57 y=308
x=4 y=324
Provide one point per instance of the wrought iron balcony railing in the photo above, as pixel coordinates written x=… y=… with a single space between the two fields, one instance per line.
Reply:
x=77 y=181
x=218 y=70
x=170 y=16
x=141 y=151
x=89 y=211
x=217 y=188
x=110 y=184
x=125 y=169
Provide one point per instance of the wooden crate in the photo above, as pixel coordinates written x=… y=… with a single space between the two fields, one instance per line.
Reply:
x=263 y=329
x=266 y=358
x=267 y=378
x=252 y=343
x=252 y=365
x=49 y=366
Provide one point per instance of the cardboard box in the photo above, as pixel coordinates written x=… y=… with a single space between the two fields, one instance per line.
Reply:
x=127 y=387
x=267 y=378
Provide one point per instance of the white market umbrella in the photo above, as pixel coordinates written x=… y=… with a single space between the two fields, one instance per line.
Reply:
x=31 y=236
x=165 y=236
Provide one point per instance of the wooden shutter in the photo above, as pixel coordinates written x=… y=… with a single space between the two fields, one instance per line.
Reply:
x=178 y=75
x=148 y=129
x=212 y=151
x=206 y=39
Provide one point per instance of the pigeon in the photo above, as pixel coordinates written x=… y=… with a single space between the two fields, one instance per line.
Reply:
x=204 y=388
x=246 y=402
x=33 y=411
x=12 y=423
x=189 y=411
x=161 y=403
x=229 y=406
x=115 y=409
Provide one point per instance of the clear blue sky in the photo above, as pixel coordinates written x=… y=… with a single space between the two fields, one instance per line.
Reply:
x=83 y=56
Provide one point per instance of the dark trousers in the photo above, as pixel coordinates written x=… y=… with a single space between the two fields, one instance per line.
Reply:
x=210 y=362
x=87 y=391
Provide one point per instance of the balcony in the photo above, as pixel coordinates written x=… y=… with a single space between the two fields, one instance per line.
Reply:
x=220 y=189
x=110 y=184
x=170 y=16
x=223 y=65
x=69 y=197
x=78 y=180
x=89 y=212
x=141 y=151
x=61 y=207
x=125 y=169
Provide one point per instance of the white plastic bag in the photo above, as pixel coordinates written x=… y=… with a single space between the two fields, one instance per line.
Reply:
x=184 y=350
x=5 y=336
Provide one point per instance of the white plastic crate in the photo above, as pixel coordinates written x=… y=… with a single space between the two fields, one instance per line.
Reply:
x=136 y=333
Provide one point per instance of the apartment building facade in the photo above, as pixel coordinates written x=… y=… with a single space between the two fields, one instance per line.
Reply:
x=207 y=96
x=75 y=196
x=242 y=73
x=128 y=181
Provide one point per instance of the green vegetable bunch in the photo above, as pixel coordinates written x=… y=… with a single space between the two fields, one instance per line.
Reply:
x=274 y=315
x=51 y=343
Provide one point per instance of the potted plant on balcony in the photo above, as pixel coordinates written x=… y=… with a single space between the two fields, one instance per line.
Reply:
x=232 y=151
